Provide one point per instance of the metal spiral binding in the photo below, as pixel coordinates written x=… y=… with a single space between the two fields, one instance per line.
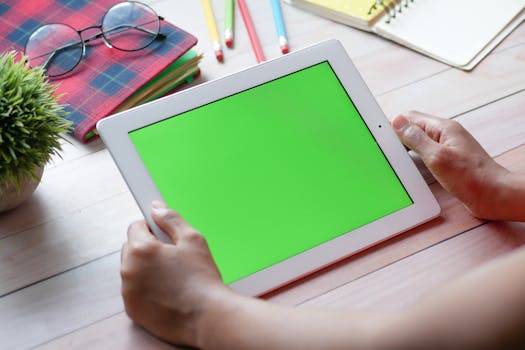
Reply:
x=392 y=9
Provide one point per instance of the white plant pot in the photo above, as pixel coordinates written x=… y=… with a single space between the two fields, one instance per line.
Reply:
x=11 y=196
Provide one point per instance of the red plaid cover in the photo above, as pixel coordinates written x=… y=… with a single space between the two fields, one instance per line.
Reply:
x=105 y=77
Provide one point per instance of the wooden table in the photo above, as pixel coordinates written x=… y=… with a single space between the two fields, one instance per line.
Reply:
x=59 y=252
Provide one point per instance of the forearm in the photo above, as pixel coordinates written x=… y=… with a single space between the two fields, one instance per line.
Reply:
x=508 y=202
x=483 y=310
x=238 y=322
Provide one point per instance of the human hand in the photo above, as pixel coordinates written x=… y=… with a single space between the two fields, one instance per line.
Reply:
x=455 y=159
x=166 y=287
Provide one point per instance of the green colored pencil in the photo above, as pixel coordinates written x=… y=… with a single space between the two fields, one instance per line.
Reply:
x=229 y=11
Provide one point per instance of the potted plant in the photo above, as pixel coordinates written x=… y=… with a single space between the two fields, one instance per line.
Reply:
x=31 y=126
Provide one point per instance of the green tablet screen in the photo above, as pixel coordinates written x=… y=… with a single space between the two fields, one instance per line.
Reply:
x=271 y=171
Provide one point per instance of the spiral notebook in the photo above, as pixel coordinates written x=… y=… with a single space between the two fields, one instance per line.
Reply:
x=457 y=32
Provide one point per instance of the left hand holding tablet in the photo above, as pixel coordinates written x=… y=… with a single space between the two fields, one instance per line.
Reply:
x=167 y=287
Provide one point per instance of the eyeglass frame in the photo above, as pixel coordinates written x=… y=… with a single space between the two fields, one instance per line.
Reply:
x=83 y=41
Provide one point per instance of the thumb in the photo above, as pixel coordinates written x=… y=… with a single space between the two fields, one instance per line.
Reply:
x=414 y=137
x=166 y=219
x=170 y=222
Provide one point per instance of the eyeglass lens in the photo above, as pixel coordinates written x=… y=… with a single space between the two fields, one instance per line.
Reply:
x=127 y=26
x=56 y=47
x=130 y=26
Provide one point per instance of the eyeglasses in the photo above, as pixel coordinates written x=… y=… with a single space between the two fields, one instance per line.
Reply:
x=58 y=47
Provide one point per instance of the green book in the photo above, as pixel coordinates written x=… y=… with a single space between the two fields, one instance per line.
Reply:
x=181 y=71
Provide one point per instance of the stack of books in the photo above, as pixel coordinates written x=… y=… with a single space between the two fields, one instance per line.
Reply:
x=107 y=80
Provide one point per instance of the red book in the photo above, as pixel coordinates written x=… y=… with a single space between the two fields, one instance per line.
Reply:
x=106 y=77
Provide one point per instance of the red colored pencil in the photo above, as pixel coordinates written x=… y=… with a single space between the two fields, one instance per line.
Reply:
x=252 y=34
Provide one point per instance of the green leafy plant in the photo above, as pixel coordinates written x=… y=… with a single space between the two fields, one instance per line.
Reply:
x=31 y=120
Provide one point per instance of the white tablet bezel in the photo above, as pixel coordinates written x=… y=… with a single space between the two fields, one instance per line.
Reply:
x=114 y=132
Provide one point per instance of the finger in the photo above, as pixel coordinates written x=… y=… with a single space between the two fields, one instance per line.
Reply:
x=123 y=252
x=414 y=137
x=172 y=223
x=158 y=213
x=158 y=204
x=181 y=224
x=139 y=230
x=433 y=126
x=414 y=116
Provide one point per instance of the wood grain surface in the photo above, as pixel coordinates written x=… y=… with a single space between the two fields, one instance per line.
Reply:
x=59 y=251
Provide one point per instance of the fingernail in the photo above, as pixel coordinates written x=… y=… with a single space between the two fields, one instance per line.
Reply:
x=158 y=205
x=161 y=213
x=400 y=122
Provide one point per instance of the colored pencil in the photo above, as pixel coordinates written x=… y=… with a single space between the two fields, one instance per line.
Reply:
x=229 y=13
x=279 y=26
x=212 y=29
x=252 y=34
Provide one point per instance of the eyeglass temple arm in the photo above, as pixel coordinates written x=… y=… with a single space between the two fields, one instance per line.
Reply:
x=54 y=54
x=138 y=26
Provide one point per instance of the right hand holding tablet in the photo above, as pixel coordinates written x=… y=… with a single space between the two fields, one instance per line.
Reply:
x=455 y=158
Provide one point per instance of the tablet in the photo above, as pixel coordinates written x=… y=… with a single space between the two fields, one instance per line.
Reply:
x=285 y=167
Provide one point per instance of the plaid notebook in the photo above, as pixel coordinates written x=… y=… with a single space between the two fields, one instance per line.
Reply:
x=106 y=77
